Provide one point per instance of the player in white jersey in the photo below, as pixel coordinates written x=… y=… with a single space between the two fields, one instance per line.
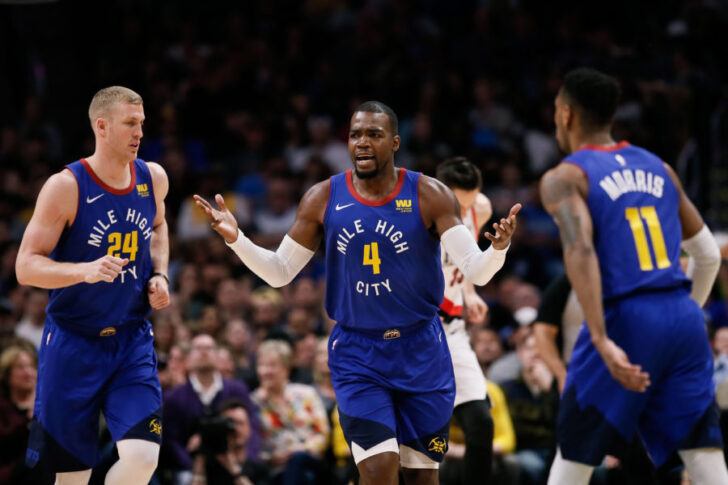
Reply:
x=472 y=409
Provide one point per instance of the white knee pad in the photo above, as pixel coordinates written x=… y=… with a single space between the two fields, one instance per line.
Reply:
x=566 y=472
x=705 y=466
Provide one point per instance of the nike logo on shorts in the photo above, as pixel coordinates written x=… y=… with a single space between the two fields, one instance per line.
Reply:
x=90 y=200
x=339 y=207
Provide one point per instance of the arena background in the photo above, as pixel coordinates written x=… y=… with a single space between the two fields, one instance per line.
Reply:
x=253 y=99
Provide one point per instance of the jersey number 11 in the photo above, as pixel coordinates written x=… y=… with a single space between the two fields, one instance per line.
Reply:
x=635 y=216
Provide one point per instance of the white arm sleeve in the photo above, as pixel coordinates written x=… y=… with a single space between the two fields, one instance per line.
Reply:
x=477 y=266
x=704 y=263
x=275 y=268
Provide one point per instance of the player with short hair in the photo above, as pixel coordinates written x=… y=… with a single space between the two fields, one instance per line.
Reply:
x=98 y=241
x=472 y=408
x=382 y=227
x=642 y=363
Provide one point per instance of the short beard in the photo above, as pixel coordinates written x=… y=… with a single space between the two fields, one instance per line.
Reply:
x=366 y=175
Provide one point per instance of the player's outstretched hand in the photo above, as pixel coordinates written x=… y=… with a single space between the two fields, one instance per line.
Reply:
x=105 y=269
x=158 y=292
x=504 y=229
x=221 y=219
x=626 y=373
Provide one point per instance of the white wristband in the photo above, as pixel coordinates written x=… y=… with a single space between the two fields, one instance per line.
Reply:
x=275 y=268
x=477 y=266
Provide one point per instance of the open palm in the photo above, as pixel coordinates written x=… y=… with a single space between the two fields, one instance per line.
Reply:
x=221 y=219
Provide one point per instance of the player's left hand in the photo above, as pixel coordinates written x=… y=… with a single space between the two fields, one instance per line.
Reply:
x=158 y=292
x=504 y=229
x=476 y=308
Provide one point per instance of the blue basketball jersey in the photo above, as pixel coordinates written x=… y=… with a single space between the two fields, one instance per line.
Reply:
x=383 y=266
x=634 y=208
x=108 y=221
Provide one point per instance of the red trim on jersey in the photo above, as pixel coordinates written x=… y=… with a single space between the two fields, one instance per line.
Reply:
x=449 y=307
x=374 y=203
x=606 y=148
x=419 y=206
x=78 y=197
x=475 y=223
x=101 y=184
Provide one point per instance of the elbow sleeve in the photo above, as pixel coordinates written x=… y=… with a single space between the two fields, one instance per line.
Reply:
x=275 y=268
x=704 y=263
x=477 y=266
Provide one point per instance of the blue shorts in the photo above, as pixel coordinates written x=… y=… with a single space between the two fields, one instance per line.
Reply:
x=401 y=386
x=79 y=376
x=665 y=333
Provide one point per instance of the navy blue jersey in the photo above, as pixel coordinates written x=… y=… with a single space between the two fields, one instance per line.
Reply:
x=383 y=266
x=108 y=221
x=634 y=208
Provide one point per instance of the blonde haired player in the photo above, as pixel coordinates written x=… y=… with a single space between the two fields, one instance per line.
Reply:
x=472 y=408
x=98 y=241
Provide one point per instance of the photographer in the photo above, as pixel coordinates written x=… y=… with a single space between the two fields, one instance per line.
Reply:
x=202 y=394
x=222 y=458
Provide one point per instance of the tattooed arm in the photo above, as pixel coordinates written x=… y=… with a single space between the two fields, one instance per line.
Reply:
x=563 y=193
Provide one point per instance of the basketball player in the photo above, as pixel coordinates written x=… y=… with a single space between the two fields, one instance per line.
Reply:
x=382 y=228
x=472 y=408
x=642 y=362
x=98 y=241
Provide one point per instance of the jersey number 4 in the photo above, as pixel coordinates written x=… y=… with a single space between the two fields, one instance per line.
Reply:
x=371 y=257
x=636 y=216
x=127 y=243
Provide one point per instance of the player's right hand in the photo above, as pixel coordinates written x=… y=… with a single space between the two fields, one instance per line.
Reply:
x=221 y=219
x=105 y=269
x=628 y=374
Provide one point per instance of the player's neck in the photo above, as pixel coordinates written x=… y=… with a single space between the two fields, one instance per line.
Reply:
x=603 y=139
x=377 y=187
x=113 y=171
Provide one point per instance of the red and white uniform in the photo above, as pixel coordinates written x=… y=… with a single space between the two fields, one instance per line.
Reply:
x=469 y=378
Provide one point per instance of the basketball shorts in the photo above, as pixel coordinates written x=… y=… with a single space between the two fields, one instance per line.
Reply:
x=395 y=391
x=665 y=333
x=80 y=376
x=469 y=378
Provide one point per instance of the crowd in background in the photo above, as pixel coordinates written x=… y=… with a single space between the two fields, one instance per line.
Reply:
x=252 y=100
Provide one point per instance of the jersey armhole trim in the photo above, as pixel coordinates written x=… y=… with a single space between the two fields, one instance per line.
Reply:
x=78 y=198
x=328 y=202
x=419 y=206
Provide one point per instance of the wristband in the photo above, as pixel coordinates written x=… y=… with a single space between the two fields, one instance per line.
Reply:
x=162 y=275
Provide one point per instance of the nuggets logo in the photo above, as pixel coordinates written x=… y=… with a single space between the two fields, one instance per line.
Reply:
x=155 y=427
x=108 y=332
x=437 y=445
x=143 y=190
x=404 y=205
x=391 y=334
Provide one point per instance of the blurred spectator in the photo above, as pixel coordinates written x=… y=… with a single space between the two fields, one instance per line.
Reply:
x=266 y=311
x=295 y=425
x=173 y=370
x=30 y=326
x=333 y=152
x=200 y=396
x=18 y=372
x=274 y=220
x=533 y=401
